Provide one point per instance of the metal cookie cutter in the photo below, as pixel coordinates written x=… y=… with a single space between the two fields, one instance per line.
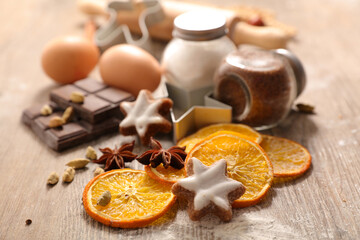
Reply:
x=198 y=116
x=114 y=33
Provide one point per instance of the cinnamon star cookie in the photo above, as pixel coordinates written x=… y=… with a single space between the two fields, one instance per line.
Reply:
x=145 y=116
x=208 y=190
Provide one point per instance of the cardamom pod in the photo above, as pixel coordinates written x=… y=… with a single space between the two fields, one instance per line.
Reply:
x=91 y=153
x=98 y=171
x=68 y=175
x=53 y=178
x=104 y=199
x=56 y=122
x=77 y=97
x=78 y=163
x=46 y=110
x=67 y=114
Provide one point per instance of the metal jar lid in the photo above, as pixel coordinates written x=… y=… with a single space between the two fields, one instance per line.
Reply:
x=200 y=25
x=297 y=67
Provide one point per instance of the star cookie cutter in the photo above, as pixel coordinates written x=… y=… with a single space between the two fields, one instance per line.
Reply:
x=210 y=112
x=113 y=32
x=197 y=117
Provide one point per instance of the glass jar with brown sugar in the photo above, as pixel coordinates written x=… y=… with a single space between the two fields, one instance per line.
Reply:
x=260 y=85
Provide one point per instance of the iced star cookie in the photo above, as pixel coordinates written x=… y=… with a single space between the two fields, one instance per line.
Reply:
x=145 y=116
x=208 y=190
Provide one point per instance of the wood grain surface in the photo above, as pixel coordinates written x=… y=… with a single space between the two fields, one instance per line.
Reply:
x=322 y=204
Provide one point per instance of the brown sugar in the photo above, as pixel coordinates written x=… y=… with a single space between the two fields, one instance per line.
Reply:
x=258 y=85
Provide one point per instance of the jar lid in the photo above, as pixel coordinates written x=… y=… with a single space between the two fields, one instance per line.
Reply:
x=200 y=25
x=297 y=67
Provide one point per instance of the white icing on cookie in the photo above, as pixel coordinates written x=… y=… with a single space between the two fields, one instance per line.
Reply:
x=141 y=113
x=210 y=184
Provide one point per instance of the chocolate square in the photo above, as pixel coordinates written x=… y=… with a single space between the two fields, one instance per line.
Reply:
x=94 y=109
x=35 y=111
x=108 y=126
x=67 y=131
x=90 y=85
x=114 y=95
x=61 y=95
x=68 y=135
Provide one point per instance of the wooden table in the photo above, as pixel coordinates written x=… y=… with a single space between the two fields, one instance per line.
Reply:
x=322 y=204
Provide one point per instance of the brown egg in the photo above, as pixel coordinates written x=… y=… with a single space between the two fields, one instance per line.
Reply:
x=129 y=68
x=70 y=58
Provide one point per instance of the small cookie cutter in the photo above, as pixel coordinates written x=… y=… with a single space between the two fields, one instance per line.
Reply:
x=113 y=32
x=211 y=111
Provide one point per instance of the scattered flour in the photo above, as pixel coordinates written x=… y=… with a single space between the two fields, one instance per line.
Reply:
x=245 y=226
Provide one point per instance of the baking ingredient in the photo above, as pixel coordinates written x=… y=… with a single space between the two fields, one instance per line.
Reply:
x=305 y=108
x=68 y=175
x=129 y=68
x=67 y=114
x=56 y=121
x=198 y=47
x=53 y=178
x=78 y=163
x=104 y=199
x=46 y=110
x=116 y=158
x=70 y=58
x=244 y=130
x=91 y=153
x=247 y=163
x=77 y=97
x=168 y=175
x=98 y=171
x=174 y=156
x=99 y=115
x=289 y=159
x=259 y=85
x=140 y=200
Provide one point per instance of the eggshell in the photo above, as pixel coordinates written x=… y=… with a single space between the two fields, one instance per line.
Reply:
x=70 y=58
x=129 y=68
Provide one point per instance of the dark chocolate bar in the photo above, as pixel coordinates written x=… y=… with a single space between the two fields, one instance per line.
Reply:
x=98 y=115
x=69 y=134
x=100 y=100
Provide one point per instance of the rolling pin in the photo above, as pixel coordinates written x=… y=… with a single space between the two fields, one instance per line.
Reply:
x=268 y=37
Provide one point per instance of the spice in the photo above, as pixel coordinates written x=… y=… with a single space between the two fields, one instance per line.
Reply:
x=174 y=156
x=98 y=171
x=91 y=153
x=67 y=114
x=258 y=84
x=305 y=108
x=104 y=199
x=68 y=175
x=46 y=110
x=28 y=221
x=56 y=122
x=116 y=158
x=77 y=97
x=53 y=178
x=78 y=163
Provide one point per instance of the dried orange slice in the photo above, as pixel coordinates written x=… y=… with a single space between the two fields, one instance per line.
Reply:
x=136 y=199
x=289 y=158
x=247 y=163
x=244 y=130
x=163 y=175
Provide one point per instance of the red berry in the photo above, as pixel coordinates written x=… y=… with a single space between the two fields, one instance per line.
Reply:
x=256 y=21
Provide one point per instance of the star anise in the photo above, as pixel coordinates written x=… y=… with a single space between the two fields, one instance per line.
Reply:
x=117 y=157
x=174 y=156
